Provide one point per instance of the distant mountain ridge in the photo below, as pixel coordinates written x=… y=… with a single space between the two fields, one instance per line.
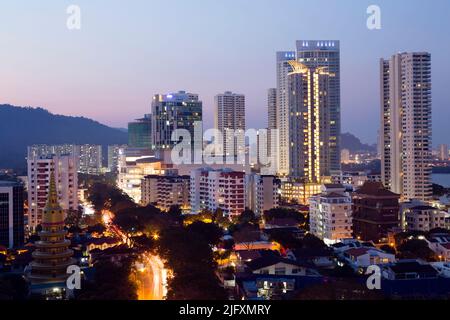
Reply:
x=24 y=126
x=352 y=143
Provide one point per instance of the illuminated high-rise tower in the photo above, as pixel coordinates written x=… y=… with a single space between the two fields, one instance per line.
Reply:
x=309 y=126
x=325 y=54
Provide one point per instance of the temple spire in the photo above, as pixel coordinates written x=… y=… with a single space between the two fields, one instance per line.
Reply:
x=52 y=199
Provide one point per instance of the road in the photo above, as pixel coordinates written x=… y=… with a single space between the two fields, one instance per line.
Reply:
x=151 y=278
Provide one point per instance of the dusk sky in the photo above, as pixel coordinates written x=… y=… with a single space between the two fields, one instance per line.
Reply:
x=127 y=51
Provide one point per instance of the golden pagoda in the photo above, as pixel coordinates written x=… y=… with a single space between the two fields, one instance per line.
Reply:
x=52 y=255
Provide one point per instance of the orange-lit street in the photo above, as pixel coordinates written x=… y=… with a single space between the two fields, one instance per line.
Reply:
x=151 y=278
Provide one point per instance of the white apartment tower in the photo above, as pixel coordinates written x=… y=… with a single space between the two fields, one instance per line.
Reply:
x=272 y=127
x=406 y=124
x=39 y=172
x=282 y=109
x=230 y=121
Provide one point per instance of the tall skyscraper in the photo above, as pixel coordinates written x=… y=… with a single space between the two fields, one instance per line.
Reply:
x=11 y=214
x=230 y=121
x=406 y=124
x=272 y=126
x=140 y=133
x=39 y=172
x=176 y=111
x=283 y=69
x=324 y=56
x=309 y=122
x=272 y=108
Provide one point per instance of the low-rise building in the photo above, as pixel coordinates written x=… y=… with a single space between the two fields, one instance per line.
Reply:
x=409 y=270
x=440 y=245
x=218 y=189
x=134 y=165
x=375 y=212
x=320 y=258
x=272 y=265
x=293 y=191
x=166 y=191
x=424 y=218
x=331 y=214
x=361 y=258
x=262 y=193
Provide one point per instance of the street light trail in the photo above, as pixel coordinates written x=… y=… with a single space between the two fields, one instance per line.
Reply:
x=152 y=279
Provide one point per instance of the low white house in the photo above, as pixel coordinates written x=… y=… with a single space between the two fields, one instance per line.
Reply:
x=440 y=245
x=280 y=266
x=361 y=258
x=443 y=268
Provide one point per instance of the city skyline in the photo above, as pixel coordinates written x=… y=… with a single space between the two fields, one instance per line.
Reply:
x=70 y=78
x=228 y=150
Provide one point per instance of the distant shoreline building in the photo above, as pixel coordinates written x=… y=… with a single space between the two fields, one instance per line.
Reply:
x=443 y=152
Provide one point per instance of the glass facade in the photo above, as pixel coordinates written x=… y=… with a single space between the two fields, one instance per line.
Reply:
x=140 y=133
x=11 y=221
